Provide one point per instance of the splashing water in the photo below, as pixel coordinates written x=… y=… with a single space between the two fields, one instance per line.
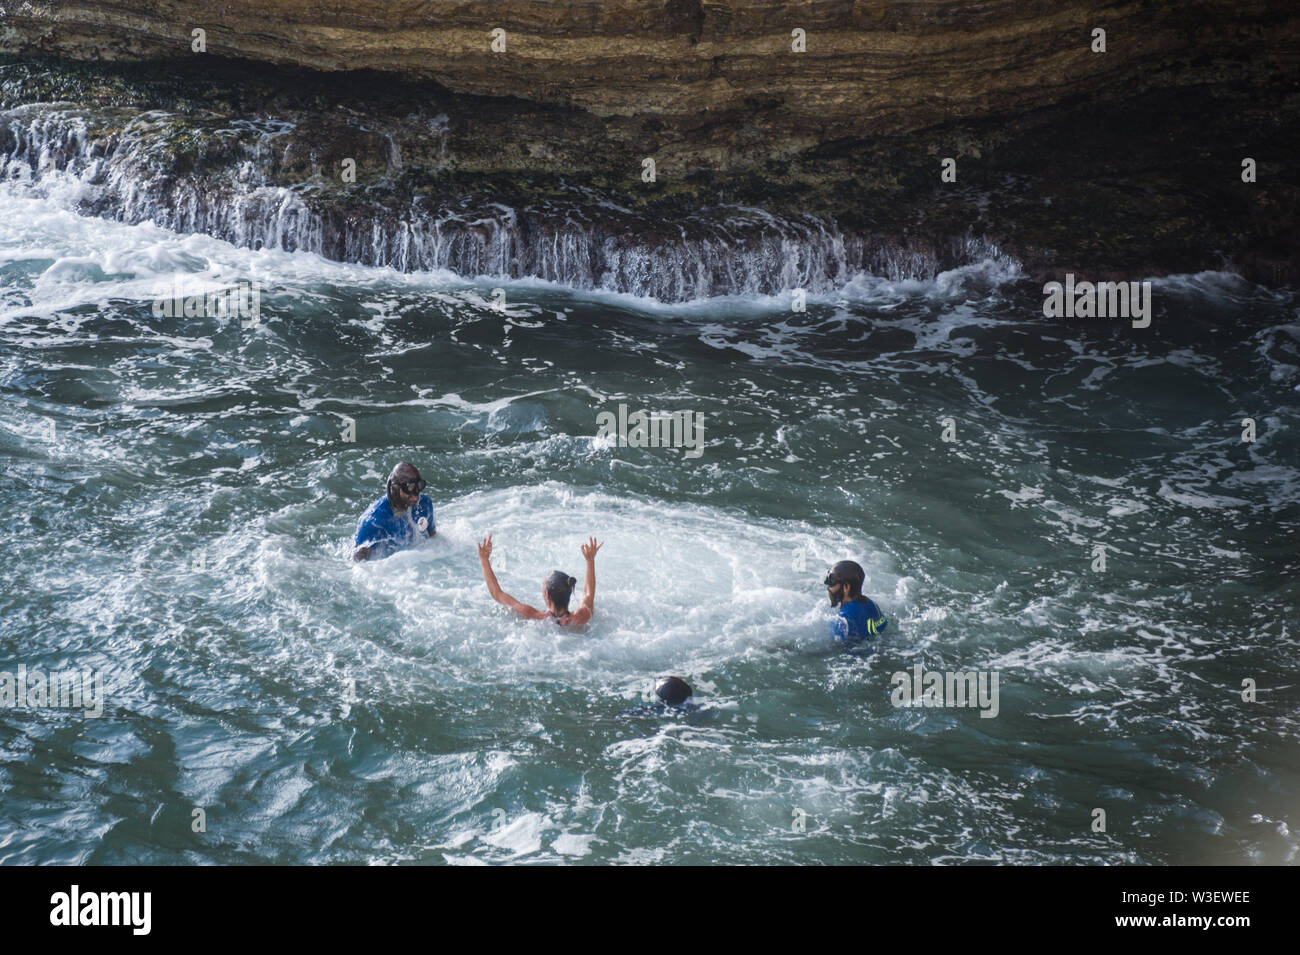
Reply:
x=178 y=505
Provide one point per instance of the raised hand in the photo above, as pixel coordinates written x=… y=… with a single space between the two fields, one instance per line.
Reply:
x=589 y=549
x=485 y=548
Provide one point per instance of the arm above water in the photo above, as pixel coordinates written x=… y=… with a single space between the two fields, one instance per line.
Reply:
x=584 y=612
x=494 y=588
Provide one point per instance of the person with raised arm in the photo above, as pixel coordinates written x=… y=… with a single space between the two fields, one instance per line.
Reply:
x=557 y=589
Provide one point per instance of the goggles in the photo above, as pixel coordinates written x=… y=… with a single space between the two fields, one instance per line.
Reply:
x=410 y=487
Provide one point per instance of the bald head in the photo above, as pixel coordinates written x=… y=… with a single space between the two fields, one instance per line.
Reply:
x=404 y=487
x=404 y=472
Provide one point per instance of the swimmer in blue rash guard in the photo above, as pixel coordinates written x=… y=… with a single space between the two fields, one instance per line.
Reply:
x=859 y=618
x=398 y=519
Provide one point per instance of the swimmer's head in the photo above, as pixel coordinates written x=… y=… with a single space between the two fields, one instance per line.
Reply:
x=673 y=690
x=844 y=582
x=558 y=588
x=404 y=486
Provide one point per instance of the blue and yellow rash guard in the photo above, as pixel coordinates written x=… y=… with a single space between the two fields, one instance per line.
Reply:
x=856 y=621
x=386 y=533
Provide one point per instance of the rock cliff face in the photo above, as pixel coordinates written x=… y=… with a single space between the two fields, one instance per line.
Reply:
x=714 y=81
x=775 y=169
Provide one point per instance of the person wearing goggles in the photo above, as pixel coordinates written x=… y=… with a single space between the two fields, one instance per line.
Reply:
x=858 y=618
x=397 y=520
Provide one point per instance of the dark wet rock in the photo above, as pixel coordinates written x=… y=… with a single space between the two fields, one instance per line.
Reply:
x=1116 y=188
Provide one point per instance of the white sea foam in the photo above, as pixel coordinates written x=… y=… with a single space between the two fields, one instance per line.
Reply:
x=40 y=223
x=679 y=587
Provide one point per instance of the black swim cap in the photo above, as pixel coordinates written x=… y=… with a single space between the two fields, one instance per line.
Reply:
x=559 y=587
x=673 y=690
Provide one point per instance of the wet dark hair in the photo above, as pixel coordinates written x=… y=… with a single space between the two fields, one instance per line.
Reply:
x=673 y=690
x=559 y=587
x=851 y=573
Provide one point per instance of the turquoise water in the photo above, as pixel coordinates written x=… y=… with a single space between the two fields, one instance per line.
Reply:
x=177 y=503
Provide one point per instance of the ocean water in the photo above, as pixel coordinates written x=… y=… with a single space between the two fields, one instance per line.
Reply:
x=177 y=502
